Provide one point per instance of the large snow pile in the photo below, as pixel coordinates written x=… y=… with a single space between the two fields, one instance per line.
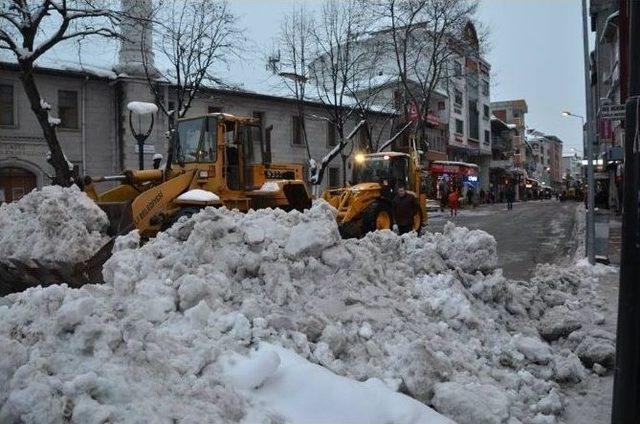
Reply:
x=172 y=334
x=52 y=224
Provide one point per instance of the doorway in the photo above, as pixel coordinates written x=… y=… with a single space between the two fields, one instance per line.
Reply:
x=15 y=183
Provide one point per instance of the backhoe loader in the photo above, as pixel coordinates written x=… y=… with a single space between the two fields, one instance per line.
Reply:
x=365 y=205
x=207 y=165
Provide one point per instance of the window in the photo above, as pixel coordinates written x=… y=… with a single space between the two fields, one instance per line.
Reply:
x=459 y=126
x=441 y=106
x=516 y=113
x=331 y=134
x=485 y=88
x=296 y=131
x=7 y=106
x=334 y=177
x=486 y=111
x=487 y=137
x=458 y=97
x=457 y=68
x=68 y=109
x=474 y=120
x=214 y=109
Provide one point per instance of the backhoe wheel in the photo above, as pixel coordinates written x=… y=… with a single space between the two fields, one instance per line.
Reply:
x=377 y=217
x=351 y=229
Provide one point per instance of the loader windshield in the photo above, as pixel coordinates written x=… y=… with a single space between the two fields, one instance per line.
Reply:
x=385 y=169
x=197 y=140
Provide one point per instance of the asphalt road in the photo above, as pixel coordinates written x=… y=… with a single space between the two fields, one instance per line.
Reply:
x=533 y=232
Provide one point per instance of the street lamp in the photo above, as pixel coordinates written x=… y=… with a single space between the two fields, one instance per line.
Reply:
x=590 y=248
x=141 y=109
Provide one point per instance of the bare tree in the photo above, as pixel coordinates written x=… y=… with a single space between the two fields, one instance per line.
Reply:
x=340 y=68
x=323 y=60
x=291 y=61
x=423 y=37
x=193 y=38
x=29 y=29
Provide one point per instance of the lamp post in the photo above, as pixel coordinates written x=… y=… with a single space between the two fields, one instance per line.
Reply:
x=140 y=109
x=590 y=242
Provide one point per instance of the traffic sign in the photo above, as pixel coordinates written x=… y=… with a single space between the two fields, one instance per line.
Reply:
x=613 y=112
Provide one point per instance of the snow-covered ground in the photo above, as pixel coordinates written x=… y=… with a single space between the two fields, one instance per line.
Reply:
x=52 y=224
x=271 y=317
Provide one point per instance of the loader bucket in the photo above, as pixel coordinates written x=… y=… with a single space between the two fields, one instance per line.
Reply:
x=17 y=276
x=297 y=195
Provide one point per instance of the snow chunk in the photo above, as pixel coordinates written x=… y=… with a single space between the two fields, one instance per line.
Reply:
x=142 y=108
x=533 y=349
x=302 y=392
x=251 y=372
x=558 y=322
x=52 y=224
x=54 y=121
x=198 y=195
x=472 y=403
x=270 y=187
x=471 y=251
x=593 y=349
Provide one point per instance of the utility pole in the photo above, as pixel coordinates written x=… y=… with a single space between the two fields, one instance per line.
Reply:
x=589 y=139
x=626 y=388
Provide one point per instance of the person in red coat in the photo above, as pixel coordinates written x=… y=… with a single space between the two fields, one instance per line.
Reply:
x=453 y=202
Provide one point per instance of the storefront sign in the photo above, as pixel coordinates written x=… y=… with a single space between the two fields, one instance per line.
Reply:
x=615 y=112
x=441 y=168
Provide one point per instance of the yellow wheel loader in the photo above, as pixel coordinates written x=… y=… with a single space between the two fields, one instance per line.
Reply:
x=208 y=165
x=366 y=205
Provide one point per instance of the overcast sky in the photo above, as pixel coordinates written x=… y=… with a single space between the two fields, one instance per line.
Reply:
x=535 y=54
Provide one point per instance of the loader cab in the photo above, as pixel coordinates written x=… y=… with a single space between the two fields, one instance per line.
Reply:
x=220 y=139
x=197 y=140
x=390 y=169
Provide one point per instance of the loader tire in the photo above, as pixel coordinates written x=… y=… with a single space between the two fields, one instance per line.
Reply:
x=377 y=217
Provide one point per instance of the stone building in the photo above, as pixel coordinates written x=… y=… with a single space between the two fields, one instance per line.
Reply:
x=459 y=116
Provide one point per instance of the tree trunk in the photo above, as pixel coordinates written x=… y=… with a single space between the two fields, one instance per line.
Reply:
x=344 y=170
x=58 y=161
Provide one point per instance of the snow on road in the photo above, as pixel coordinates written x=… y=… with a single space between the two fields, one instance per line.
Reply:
x=270 y=316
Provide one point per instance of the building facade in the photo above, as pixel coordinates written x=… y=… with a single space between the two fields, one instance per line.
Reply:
x=96 y=138
x=609 y=22
x=513 y=112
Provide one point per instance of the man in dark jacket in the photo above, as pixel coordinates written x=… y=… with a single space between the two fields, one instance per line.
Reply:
x=404 y=208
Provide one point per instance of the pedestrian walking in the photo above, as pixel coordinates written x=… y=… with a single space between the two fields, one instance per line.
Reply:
x=442 y=189
x=404 y=208
x=510 y=195
x=453 y=202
